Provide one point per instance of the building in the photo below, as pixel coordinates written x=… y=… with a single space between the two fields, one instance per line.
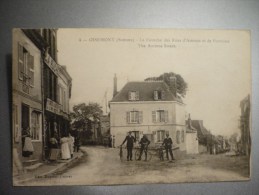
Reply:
x=204 y=136
x=148 y=108
x=245 y=121
x=192 y=144
x=41 y=92
x=57 y=92
x=27 y=92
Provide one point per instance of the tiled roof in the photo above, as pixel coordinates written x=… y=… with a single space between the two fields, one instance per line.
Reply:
x=198 y=124
x=146 y=91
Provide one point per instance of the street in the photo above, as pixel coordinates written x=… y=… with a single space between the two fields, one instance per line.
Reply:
x=102 y=166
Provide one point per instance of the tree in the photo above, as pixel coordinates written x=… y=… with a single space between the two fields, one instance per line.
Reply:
x=181 y=85
x=84 y=115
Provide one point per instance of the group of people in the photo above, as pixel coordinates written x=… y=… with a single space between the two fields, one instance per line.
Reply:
x=144 y=142
x=68 y=145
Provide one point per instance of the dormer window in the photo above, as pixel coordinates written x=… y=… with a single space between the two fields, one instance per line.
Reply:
x=133 y=95
x=158 y=95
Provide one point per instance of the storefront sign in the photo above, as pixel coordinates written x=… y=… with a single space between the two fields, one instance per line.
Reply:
x=53 y=107
x=51 y=63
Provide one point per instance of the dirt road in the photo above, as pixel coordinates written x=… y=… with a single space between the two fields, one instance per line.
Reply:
x=103 y=166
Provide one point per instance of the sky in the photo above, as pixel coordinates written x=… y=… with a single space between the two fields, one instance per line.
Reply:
x=215 y=64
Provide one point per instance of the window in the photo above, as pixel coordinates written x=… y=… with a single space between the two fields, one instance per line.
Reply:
x=133 y=95
x=25 y=68
x=178 y=137
x=136 y=135
x=159 y=95
x=35 y=125
x=50 y=84
x=182 y=136
x=134 y=117
x=160 y=116
x=160 y=135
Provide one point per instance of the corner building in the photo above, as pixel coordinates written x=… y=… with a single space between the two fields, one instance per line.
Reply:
x=148 y=108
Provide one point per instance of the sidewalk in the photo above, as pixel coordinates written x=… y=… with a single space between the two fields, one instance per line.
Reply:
x=47 y=169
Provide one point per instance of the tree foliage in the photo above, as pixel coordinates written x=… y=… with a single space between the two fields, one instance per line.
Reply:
x=181 y=85
x=84 y=114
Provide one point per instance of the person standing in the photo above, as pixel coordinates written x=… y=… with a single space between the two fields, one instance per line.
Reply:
x=144 y=142
x=168 y=143
x=71 y=142
x=65 y=152
x=130 y=142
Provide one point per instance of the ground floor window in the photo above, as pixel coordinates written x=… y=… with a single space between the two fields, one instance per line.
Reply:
x=35 y=125
x=182 y=135
x=178 y=137
x=160 y=135
x=136 y=135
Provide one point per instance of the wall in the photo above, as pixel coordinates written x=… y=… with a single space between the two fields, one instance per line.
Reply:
x=192 y=143
x=120 y=127
x=33 y=99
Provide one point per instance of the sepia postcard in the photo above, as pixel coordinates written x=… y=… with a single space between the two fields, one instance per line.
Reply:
x=130 y=106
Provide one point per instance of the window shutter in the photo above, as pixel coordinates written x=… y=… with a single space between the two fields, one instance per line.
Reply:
x=128 y=117
x=20 y=62
x=155 y=95
x=140 y=116
x=158 y=136
x=153 y=116
x=162 y=95
x=129 y=95
x=31 y=70
x=137 y=95
x=166 y=116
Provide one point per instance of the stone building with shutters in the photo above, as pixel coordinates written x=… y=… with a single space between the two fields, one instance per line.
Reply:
x=41 y=92
x=27 y=95
x=148 y=108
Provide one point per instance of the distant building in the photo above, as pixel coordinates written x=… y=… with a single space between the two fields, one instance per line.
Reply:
x=204 y=136
x=192 y=144
x=245 y=121
x=148 y=108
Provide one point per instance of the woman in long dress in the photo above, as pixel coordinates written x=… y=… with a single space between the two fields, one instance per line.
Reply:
x=65 y=152
x=71 y=144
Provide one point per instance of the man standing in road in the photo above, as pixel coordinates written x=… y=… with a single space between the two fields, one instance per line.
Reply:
x=130 y=142
x=144 y=142
x=168 y=147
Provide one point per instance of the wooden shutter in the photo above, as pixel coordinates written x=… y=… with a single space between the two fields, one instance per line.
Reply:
x=20 y=61
x=128 y=117
x=137 y=95
x=153 y=116
x=155 y=95
x=162 y=95
x=31 y=69
x=129 y=95
x=140 y=116
x=166 y=116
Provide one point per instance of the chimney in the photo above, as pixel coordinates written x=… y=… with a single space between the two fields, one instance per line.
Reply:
x=172 y=84
x=114 y=85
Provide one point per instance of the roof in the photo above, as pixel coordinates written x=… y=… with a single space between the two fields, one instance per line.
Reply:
x=198 y=125
x=190 y=128
x=146 y=91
